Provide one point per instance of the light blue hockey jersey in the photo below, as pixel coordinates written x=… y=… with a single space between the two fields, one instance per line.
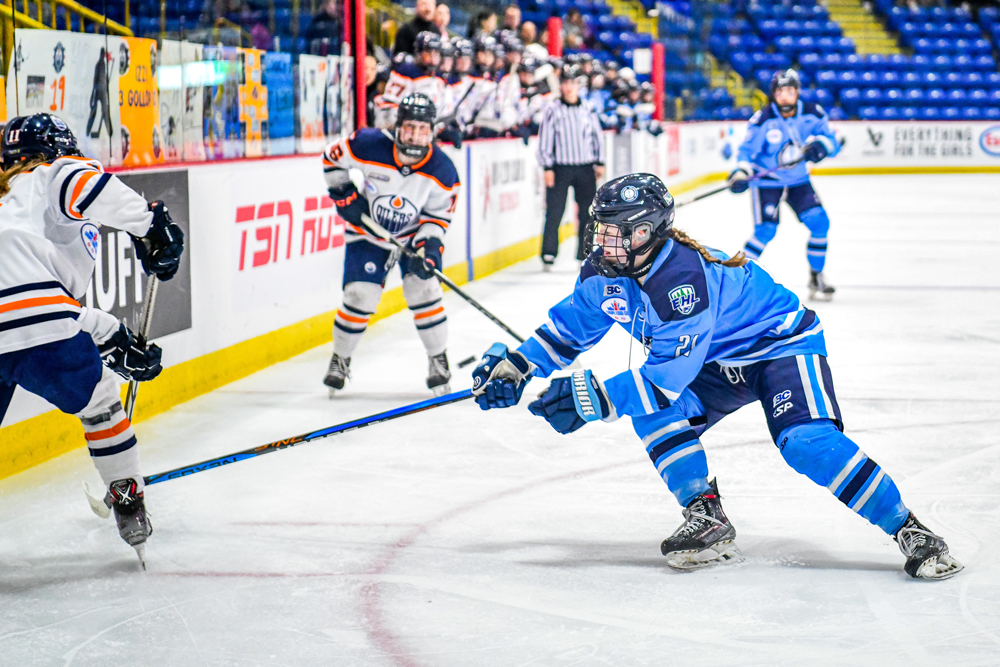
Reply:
x=688 y=313
x=772 y=140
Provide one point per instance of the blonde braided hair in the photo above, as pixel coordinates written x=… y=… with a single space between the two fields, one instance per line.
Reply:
x=738 y=260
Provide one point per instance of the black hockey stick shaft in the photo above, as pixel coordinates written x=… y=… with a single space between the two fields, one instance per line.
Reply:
x=379 y=232
x=143 y=334
x=254 y=452
x=723 y=188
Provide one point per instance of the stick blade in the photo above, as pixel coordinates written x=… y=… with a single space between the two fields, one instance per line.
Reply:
x=98 y=505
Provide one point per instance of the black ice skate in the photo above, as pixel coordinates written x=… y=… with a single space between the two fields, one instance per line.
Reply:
x=706 y=537
x=438 y=374
x=130 y=514
x=337 y=374
x=926 y=554
x=818 y=289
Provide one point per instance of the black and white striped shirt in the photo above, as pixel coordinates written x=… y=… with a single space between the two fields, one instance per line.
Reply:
x=570 y=134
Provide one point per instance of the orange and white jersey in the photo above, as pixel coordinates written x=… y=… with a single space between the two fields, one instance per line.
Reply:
x=495 y=106
x=405 y=79
x=415 y=201
x=49 y=240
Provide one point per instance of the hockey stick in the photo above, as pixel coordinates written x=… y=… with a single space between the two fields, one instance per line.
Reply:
x=380 y=232
x=285 y=443
x=723 y=188
x=143 y=334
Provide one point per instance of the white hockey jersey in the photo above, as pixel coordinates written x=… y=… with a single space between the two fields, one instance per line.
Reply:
x=405 y=79
x=415 y=201
x=495 y=105
x=49 y=240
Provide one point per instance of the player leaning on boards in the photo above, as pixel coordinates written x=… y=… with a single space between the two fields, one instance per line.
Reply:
x=410 y=188
x=785 y=131
x=52 y=202
x=719 y=333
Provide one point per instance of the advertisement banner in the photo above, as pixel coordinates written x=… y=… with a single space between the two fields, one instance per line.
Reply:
x=223 y=139
x=332 y=112
x=74 y=76
x=192 y=83
x=280 y=102
x=310 y=98
x=253 y=103
x=138 y=101
x=169 y=79
x=917 y=144
x=347 y=95
x=119 y=281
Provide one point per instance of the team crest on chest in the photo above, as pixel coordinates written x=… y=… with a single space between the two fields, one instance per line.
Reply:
x=394 y=212
x=617 y=309
x=91 y=239
x=683 y=299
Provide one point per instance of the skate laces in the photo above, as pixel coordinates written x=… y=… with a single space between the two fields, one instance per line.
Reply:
x=697 y=517
x=340 y=365
x=911 y=539
x=439 y=364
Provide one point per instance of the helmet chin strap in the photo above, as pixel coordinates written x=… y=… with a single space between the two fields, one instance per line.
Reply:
x=411 y=151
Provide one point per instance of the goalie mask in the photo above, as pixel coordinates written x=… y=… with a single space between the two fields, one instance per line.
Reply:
x=631 y=217
x=414 y=140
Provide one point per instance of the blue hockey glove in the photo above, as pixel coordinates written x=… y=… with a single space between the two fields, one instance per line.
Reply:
x=161 y=248
x=350 y=204
x=814 y=152
x=429 y=250
x=738 y=181
x=499 y=379
x=129 y=356
x=571 y=402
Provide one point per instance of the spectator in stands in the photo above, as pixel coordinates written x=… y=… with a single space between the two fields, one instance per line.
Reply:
x=484 y=23
x=326 y=24
x=442 y=18
x=574 y=31
x=529 y=35
x=375 y=78
x=512 y=18
x=407 y=34
x=231 y=10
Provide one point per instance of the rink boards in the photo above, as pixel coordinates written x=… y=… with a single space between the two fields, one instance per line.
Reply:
x=264 y=255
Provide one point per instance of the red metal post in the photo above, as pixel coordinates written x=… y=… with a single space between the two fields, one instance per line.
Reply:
x=657 y=77
x=555 y=36
x=359 y=50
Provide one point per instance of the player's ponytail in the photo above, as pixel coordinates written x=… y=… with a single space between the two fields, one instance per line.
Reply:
x=680 y=237
x=8 y=174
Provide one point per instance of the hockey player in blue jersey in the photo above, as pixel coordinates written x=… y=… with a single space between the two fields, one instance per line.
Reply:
x=720 y=334
x=786 y=131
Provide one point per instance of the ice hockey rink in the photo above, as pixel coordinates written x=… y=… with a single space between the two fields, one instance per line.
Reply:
x=456 y=537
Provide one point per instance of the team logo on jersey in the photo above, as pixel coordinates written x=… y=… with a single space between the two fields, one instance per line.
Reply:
x=989 y=141
x=370 y=267
x=683 y=299
x=629 y=193
x=774 y=136
x=617 y=309
x=394 y=212
x=58 y=57
x=612 y=290
x=371 y=188
x=91 y=239
x=770 y=210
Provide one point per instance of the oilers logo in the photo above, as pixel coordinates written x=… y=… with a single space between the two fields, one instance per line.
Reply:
x=394 y=212
x=91 y=239
x=683 y=299
x=617 y=309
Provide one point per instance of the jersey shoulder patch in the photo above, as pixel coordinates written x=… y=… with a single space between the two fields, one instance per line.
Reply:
x=765 y=114
x=441 y=168
x=410 y=70
x=678 y=289
x=813 y=109
x=371 y=145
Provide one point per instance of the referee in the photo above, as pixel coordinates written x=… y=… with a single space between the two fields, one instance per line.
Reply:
x=571 y=150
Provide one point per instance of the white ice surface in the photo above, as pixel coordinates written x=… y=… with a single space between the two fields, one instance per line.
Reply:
x=456 y=537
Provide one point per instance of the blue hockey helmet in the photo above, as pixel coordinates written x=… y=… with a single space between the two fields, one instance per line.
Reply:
x=40 y=135
x=783 y=79
x=632 y=215
x=420 y=108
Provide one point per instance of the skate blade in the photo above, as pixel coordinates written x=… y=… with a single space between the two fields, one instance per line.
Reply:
x=717 y=554
x=331 y=393
x=140 y=551
x=99 y=507
x=820 y=296
x=441 y=389
x=939 y=567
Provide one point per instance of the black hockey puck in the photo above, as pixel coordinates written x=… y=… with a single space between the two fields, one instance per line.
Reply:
x=465 y=362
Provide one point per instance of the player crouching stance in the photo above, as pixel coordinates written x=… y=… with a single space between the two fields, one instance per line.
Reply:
x=52 y=201
x=410 y=189
x=779 y=134
x=720 y=334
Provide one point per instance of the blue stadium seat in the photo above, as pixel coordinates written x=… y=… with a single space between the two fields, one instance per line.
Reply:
x=988 y=16
x=991 y=113
x=972 y=113
x=827 y=79
x=985 y=64
x=868 y=79
x=980 y=47
x=951 y=113
x=991 y=79
x=945 y=63
x=978 y=97
x=850 y=100
x=914 y=97
x=836 y=113
x=929 y=113
x=957 y=97
x=893 y=97
x=935 y=97
x=898 y=62
x=961 y=64
x=909 y=113
x=871 y=97
x=889 y=79
x=888 y=113
x=921 y=63
x=930 y=80
x=995 y=97
x=973 y=80
x=809 y=62
x=847 y=79
x=868 y=113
